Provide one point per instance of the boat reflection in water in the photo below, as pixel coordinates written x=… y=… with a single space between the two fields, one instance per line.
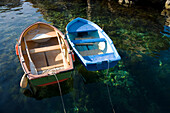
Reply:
x=41 y=92
x=166 y=29
x=74 y=85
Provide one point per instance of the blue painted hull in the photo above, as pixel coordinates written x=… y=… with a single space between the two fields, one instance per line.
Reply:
x=102 y=66
x=92 y=45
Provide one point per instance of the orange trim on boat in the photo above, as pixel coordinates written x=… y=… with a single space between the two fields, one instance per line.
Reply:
x=16 y=49
x=53 y=82
x=73 y=56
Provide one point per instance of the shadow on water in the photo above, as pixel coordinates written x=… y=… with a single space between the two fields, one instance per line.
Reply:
x=42 y=92
x=138 y=83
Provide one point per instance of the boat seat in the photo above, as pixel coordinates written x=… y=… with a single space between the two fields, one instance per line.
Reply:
x=44 y=49
x=89 y=40
x=82 y=44
x=84 y=38
x=50 y=67
x=41 y=35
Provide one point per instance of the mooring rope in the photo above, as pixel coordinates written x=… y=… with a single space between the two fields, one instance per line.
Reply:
x=60 y=93
x=108 y=89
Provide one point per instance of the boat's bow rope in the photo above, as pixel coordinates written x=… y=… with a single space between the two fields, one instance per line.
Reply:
x=60 y=93
x=108 y=89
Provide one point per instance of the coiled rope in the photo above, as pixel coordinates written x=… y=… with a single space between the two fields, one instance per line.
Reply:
x=108 y=89
x=60 y=93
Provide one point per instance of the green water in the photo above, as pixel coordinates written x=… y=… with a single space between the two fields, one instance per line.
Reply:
x=139 y=83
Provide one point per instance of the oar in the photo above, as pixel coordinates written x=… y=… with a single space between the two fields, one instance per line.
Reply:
x=32 y=66
x=24 y=81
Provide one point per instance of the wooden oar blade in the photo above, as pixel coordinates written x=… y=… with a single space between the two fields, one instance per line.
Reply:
x=24 y=81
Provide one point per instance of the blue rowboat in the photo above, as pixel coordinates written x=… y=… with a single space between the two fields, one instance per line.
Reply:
x=91 y=44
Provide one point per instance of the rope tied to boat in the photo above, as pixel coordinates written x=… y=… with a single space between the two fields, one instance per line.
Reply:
x=108 y=88
x=60 y=93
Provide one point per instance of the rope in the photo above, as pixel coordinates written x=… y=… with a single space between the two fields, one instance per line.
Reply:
x=109 y=90
x=60 y=94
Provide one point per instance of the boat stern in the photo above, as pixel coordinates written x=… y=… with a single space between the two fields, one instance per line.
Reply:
x=49 y=80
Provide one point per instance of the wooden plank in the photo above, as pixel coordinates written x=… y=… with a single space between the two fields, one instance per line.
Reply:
x=50 y=67
x=51 y=42
x=94 y=46
x=43 y=49
x=82 y=44
x=84 y=38
x=39 y=60
x=91 y=52
x=43 y=39
x=84 y=48
x=54 y=57
x=89 y=40
x=32 y=33
x=79 y=48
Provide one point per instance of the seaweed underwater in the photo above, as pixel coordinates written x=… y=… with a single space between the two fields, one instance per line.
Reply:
x=140 y=80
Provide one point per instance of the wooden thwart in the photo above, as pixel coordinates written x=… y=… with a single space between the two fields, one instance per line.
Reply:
x=91 y=52
x=82 y=44
x=48 y=32
x=50 y=67
x=43 y=49
x=84 y=38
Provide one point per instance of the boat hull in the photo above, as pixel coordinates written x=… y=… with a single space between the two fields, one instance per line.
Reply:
x=43 y=79
x=51 y=79
x=100 y=66
x=92 y=45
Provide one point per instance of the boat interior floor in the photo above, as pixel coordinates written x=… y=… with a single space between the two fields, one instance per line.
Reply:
x=46 y=55
x=86 y=49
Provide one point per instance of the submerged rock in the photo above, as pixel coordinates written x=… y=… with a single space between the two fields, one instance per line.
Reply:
x=125 y=3
x=167 y=4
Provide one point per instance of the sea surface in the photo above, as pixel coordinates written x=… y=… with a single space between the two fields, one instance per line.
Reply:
x=139 y=83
